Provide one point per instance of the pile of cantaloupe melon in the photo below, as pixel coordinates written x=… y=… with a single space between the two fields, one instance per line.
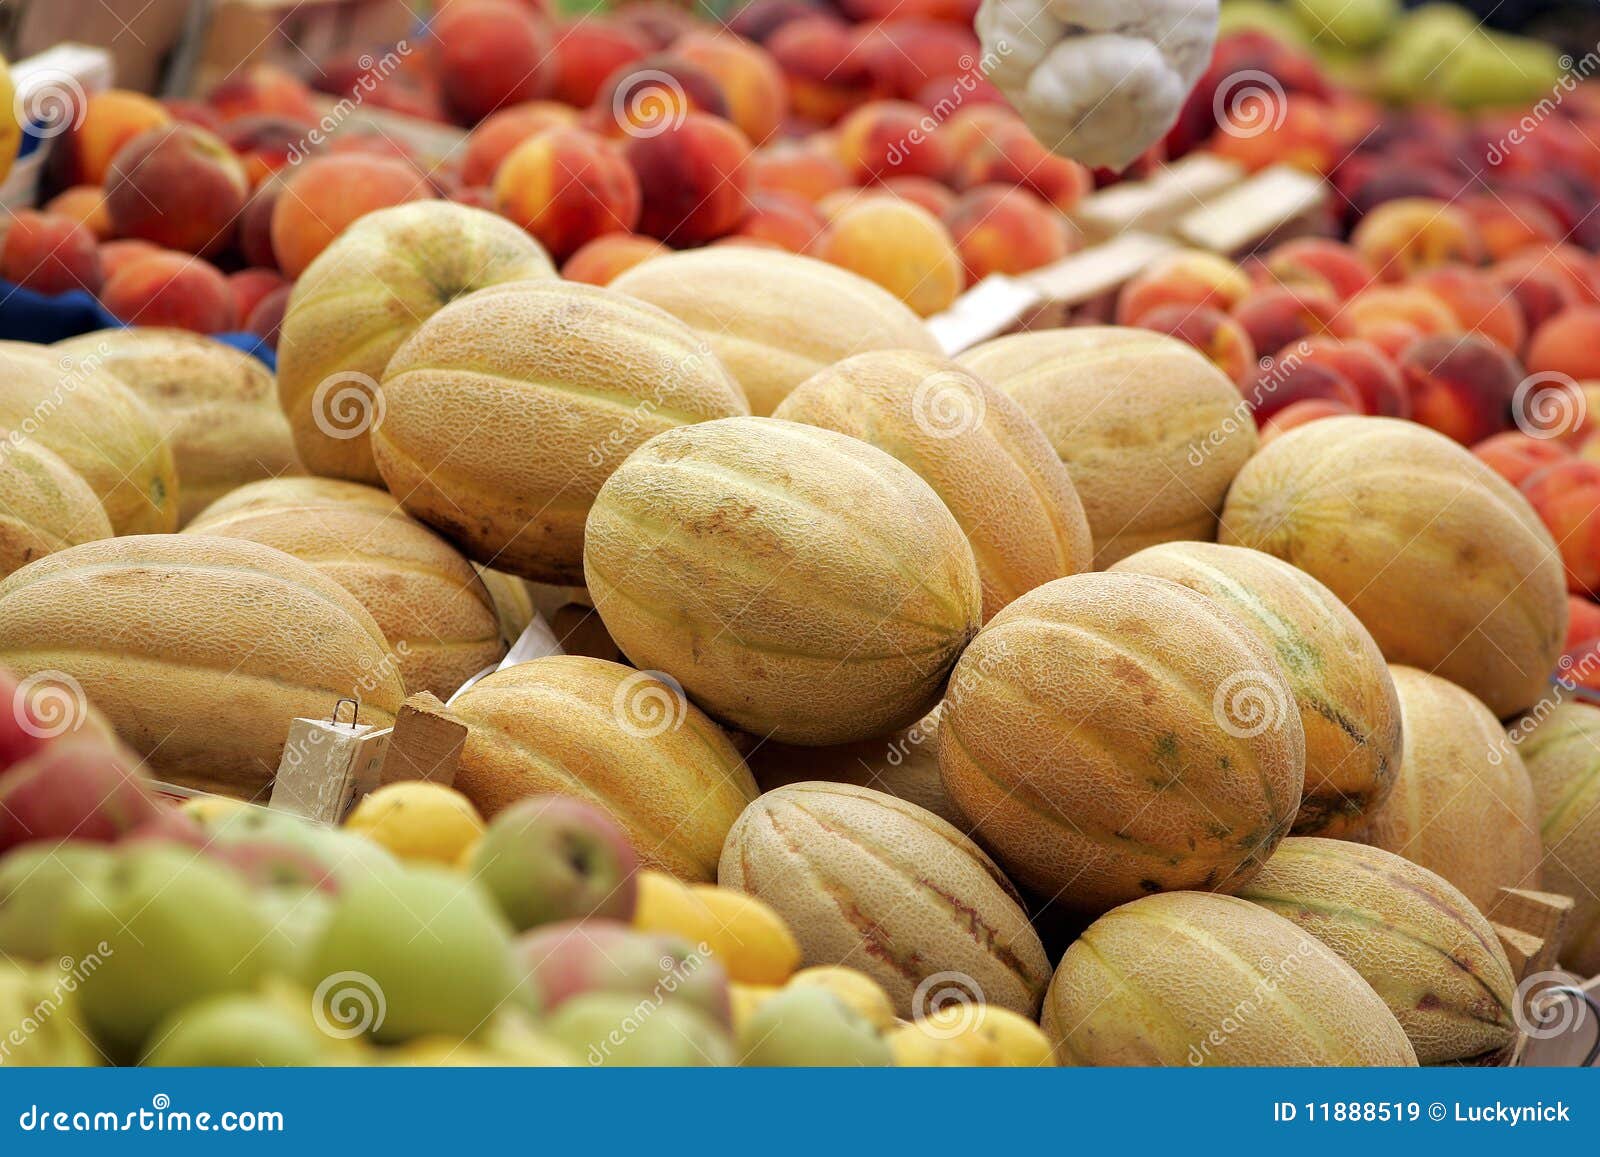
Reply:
x=1029 y=667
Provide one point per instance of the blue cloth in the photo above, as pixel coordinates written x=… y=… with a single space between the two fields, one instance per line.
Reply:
x=29 y=316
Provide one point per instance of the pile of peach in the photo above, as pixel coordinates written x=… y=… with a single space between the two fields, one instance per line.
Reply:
x=1471 y=319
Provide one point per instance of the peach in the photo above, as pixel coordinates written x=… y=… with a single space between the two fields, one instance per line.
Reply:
x=1514 y=455
x=1301 y=412
x=900 y=247
x=827 y=76
x=255 y=223
x=1003 y=230
x=929 y=194
x=609 y=256
x=171 y=289
x=492 y=141
x=1403 y=236
x=322 y=196
x=48 y=254
x=781 y=219
x=662 y=22
x=887 y=138
x=975 y=124
x=757 y=94
x=957 y=12
x=1190 y=277
x=1007 y=153
x=114 y=255
x=176 y=186
x=653 y=94
x=1566 y=496
x=1344 y=271
x=693 y=179
x=1387 y=304
x=486 y=55
x=585 y=53
x=1507 y=224
x=1583 y=620
x=760 y=19
x=908 y=54
x=266 y=319
x=1278 y=316
x=566 y=187
x=249 y=286
x=1391 y=336
x=1461 y=385
x=799 y=168
x=1568 y=343
x=265 y=143
x=85 y=204
x=1298 y=131
x=1222 y=339
x=1480 y=306
x=1366 y=367
x=264 y=90
x=194 y=112
x=82 y=155
x=1281 y=382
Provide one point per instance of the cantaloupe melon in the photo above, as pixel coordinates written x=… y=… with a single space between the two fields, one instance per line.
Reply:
x=1151 y=432
x=623 y=739
x=430 y=604
x=774 y=319
x=981 y=454
x=45 y=505
x=500 y=440
x=1191 y=978
x=1433 y=958
x=199 y=650
x=1110 y=735
x=878 y=884
x=71 y=404
x=1340 y=682
x=1562 y=754
x=904 y=765
x=217 y=407
x=1463 y=805
x=1442 y=559
x=801 y=585
x=363 y=296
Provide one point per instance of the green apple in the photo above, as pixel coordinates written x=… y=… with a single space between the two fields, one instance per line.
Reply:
x=614 y=1030
x=239 y=1030
x=421 y=953
x=36 y=881
x=1416 y=51
x=587 y=956
x=1262 y=16
x=552 y=857
x=1347 y=23
x=40 y=1019
x=809 y=1027
x=161 y=927
x=1495 y=71
x=294 y=919
x=347 y=856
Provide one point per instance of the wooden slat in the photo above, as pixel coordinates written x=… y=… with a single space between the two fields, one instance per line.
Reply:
x=1247 y=214
x=426 y=744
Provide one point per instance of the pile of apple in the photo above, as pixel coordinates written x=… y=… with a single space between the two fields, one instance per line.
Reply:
x=137 y=930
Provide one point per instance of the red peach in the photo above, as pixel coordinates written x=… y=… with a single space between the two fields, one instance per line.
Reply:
x=326 y=194
x=492 y=141
x=908 y=54
x=1301 y=412
x=760 y=19
x=265 y=143
x=1366 y=367
x=49 y=254
x=1514 y=455
x=1461 y=385
x=757 y=94
x=1222 y=339
x=827 y=76
x=1568 y=343
x=930 y=195
x=693 y=179
x=267 y=316
x=1191 y=277
x=82 y=155
x=78 y=788
x=116 y=255
x=176 y=186
x=1566 y=496
x=171 y=289
x=487 y=55
x=1341 y=268
x=783 y=219
x=1510 y=223
x=1278 y=317
x=1583 y=620
x=194 y=112
x=1281 y=382
x=566 y=187
x=1298 y=131
x=251 y=285
x=585 y=53
x=794 y=167
x=609 y=256
x=1384 y=305
x=1007 y=153
x=1004 y=230
x=887 y=138
x=1403 y=236
x=1480 y=306
x=85 y=204
x=263 y=90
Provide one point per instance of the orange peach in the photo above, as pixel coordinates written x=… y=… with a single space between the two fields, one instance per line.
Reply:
x=263 y=90
x=567 y=187
x=1514 y=455
x=782 y=219
x=85 y=204
x=1281 y=382
x=799 y=168
x=324 y=195
x=1566 y=496
x=1296 y=130
x=110 y=119
x=1480 y=306
x=887 y=138
x=1401 y=237
x=956 y=12
x=1190 y=277
x=653 y=94
x=974 y=124
x=1392 y=336
x=48 y=254
x=693 y=179
x=827 y=77
x=1301 y=412
x=1219 y=337
x=908 y=54
x=1366 y=367
x=486 y=55
x=1279 y=316
x=1508 y=222
x=609 y=256
x=1385 y=305
x=492 y=141
x=1004 y=230
x=1007 y=153
x=1344 y=271
x=584 y=54
x=265 y=143
x=255 y=223
x=249 y=286
x=176 y=186
x=194 y=112
x=900 y=247
x=1568 y=343
x=1461 y=385
x=931 y=195
x=1583 y=620
x=758 y=95
x=114 y=255
x=1539 y=293
x=171 y=289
